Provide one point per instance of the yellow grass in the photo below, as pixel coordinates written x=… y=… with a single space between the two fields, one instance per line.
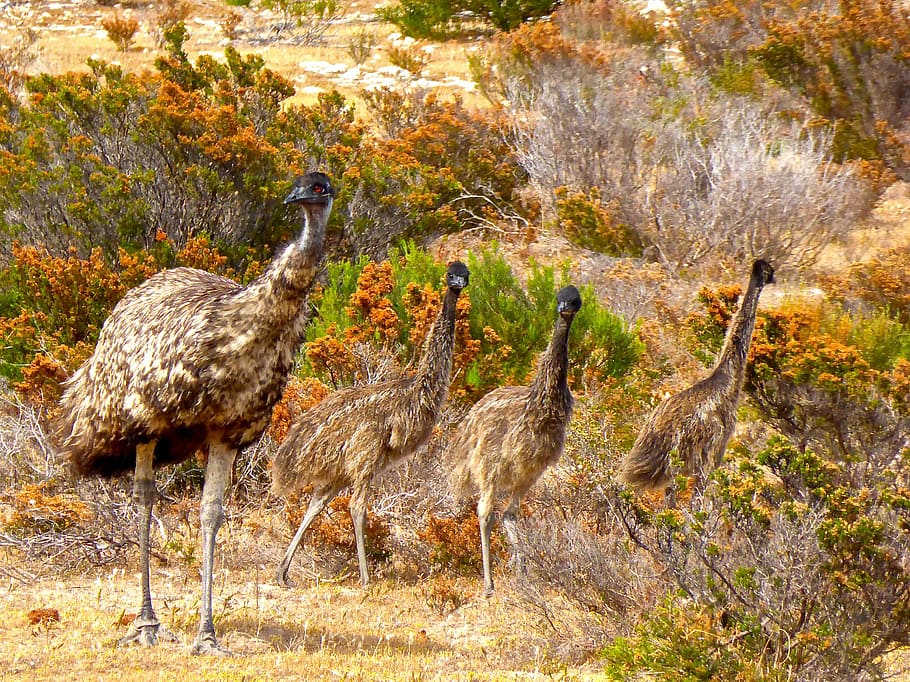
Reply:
x=318 y=632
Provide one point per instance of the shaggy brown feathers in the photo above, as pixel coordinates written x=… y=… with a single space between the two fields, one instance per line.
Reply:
x=186 y=361
x=188 y=353
x=696 y=423
x=357 y=432
x=514 y=433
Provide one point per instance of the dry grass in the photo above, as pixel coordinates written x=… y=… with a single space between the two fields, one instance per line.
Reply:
x=70 y=33
x=321 y=631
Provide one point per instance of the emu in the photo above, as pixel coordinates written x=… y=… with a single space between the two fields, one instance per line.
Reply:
x=359 y=431
x=514 y=433
x=191 y=361
x=696 y=423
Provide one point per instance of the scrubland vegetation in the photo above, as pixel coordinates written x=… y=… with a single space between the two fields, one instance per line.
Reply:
x=671 y=150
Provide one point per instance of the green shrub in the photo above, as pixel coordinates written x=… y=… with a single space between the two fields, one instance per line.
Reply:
x=426 y=19
x=362 y=302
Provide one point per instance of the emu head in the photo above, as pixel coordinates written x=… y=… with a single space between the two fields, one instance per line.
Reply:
x=457 y=276
x=312 y=188
x=314 y=194
x=762 y=273
x=568 y=301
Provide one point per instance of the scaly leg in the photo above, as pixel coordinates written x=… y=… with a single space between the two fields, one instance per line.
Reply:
x=486 y=519
x=321 y=497
x=217 y=477
x=358 y=508
x=144 y=629
x=510 y=525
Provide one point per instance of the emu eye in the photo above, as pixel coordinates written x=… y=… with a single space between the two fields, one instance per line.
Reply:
x=318 y=189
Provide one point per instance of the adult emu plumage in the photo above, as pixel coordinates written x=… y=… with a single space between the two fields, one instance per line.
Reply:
x=191 y=361
x=359 y=431
x=696 y=423
x=514 y=433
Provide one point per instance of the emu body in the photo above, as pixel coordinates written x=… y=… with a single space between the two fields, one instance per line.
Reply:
x=191 y=361
x=514 y=433
x=697 y=423
x=358 y=432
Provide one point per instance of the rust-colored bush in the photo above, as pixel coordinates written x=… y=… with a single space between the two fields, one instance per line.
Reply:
x=121 y=30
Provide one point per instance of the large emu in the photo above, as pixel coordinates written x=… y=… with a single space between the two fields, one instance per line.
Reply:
x=357 y=432
x=191 y=361
x=514 y=433
x=696 y=423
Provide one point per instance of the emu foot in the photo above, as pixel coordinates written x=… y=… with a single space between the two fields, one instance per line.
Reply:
x=207 y=645
x=281 y=577
x=146 y=632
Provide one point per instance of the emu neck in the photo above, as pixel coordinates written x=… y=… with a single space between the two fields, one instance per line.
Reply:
x=550 y=388
x=435 y=368
x=732 y=361
x=279 y=293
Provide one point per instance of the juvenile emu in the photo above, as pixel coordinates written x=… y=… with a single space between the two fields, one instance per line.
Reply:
x=513 y=433
x=357 y=432
x=696 y=423
x=191 y=361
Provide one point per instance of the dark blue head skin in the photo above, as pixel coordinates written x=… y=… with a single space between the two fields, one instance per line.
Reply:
x=312 y=188
x=568 y=301
x=762 y=272
x=457 y=276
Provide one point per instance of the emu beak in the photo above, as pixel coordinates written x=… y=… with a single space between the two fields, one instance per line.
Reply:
x=303 y=195
x=458 y=282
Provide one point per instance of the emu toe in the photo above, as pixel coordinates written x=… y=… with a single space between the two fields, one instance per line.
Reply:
x=281 y=577
x=146 y=633
x=207 y=645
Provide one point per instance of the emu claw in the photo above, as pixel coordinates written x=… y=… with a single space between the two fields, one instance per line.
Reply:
x=207 y=645
x=284 y=581
x=145 y=632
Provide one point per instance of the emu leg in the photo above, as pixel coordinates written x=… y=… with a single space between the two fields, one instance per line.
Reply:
x=358 y=508
x=144 y=629
x=510 y=526
x=217 y=477
x=321 y=497
x=485 y=517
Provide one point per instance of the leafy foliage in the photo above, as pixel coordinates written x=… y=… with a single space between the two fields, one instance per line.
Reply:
x=440 y=18
x=389 y=307
x=846 y=60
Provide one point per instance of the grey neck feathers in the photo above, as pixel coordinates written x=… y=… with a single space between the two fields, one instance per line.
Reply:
x=435 y=368
x=279 y=293
x=732 y=361
x=549 y=392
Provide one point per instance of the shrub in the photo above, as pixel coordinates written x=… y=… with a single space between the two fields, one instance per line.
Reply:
x=424 y=19
x=121 y=30
x=411 y=58
x=587 y=222
x=333 y=529
x=388 y=307
x=229 y=23
x=16 y=57
x=171 y=15
x=817 y=386
x=361 y=45
x=34 y=510
x=847 y=61
x=455 y=543
x=882 y=282
x=688 y=175
x=436 y=19
x=306 y=20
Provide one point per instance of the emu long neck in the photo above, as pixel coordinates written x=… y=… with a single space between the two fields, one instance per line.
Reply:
x=279 y=293
x=435 y=368
x=550 y=388
x=732 y=361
